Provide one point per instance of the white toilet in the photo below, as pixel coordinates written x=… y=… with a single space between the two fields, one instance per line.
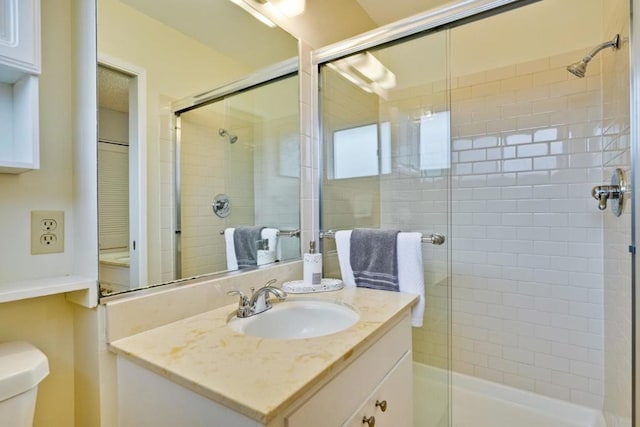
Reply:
x=22 y=367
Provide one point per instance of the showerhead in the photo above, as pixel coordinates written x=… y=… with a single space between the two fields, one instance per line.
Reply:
x=579 y=68
x=224 y=133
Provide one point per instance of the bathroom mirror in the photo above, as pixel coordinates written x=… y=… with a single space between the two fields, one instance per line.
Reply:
x=237 y=174
x=151 y=54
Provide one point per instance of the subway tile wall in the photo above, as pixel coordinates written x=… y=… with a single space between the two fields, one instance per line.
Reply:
x=617 y=231
x=418 y=200
x=353 y=202
x=203 y=176
x=527 y=282
x=277 y=178
x=391 y=200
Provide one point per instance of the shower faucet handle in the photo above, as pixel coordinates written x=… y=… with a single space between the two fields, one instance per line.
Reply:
x=614 y=192
x=603 y=192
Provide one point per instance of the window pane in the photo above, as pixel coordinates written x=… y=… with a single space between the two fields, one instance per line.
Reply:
x=355 y=152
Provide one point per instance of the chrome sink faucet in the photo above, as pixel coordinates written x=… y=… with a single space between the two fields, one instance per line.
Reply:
x=259 y=300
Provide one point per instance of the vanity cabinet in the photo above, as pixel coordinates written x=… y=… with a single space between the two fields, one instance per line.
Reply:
x=19 y=70
x=382 y=373
x=345 y=395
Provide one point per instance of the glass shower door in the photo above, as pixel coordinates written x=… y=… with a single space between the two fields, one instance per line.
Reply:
x=386 y=164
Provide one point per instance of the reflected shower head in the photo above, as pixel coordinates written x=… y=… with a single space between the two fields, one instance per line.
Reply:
x=224 y=133
x=579 y=68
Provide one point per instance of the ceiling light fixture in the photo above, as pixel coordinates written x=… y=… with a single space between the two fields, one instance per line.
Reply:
x=253 y=12
x=289 y=8
x=367 y=72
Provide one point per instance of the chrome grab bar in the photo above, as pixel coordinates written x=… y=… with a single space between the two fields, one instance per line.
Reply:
x=434 y=239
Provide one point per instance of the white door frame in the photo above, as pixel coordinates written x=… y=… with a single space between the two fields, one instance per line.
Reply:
x=138 y=251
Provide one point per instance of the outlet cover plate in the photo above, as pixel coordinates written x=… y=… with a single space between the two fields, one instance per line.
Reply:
x=47 y=232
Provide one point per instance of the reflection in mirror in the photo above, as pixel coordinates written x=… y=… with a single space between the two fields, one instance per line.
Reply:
x=238 y=168
x=170 y=50
x=115 y=268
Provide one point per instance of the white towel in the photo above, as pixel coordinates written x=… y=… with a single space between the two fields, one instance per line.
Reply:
x=410 y=272
x=343 y=245
x=271 y=234
x=232 y=261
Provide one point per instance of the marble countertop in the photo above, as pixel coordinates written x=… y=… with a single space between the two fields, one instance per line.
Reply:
x=254 y=376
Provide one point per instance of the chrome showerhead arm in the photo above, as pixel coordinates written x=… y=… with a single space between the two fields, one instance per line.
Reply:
x=579 y=68
x=615 y=44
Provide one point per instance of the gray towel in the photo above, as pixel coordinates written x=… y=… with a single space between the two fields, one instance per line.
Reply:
x=374 y=258
x=244 y=244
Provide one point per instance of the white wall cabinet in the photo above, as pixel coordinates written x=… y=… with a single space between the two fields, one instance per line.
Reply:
x=19 y=70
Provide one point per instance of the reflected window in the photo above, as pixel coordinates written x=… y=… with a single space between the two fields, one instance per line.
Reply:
x=362 y=151
x=434 y=141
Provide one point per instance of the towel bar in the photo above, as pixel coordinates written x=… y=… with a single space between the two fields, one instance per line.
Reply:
x=434 y=239
x=281 y=233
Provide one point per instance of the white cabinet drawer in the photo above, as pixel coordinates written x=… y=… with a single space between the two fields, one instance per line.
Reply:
x=394 y=394
x=336 y=402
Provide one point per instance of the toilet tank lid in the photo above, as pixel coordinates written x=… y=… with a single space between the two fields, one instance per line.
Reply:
x=22 y=367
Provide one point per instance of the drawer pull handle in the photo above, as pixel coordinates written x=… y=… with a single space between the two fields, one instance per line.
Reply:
x=371 y=421
x=382 y=405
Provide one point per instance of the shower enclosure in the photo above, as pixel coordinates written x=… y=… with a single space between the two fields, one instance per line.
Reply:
x=471 y=122
x=236 y=164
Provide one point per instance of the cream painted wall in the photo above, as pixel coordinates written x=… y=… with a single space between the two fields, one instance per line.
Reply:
x=46 y=322
x=48 y=188
x=543 y=29
x=176 y=67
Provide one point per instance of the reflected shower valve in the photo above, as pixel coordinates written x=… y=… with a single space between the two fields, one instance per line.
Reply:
x=614 y=192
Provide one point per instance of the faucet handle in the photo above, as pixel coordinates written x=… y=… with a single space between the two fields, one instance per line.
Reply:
x=244 y=300
x=235 y=292
x=271 y=282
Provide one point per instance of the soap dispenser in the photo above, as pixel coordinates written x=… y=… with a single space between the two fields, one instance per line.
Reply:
x=312 y=267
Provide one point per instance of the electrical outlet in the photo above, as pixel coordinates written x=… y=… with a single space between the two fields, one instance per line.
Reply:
x=47 y=232
x=48 y=224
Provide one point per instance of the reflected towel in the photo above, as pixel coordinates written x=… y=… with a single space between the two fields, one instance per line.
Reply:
x=271 y=234
x=232 y=262
x=245 y=243
x=343 y=246
x=410 y=269
x=373 y=258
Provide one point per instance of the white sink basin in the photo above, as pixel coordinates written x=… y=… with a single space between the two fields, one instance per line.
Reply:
x=296 y=319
